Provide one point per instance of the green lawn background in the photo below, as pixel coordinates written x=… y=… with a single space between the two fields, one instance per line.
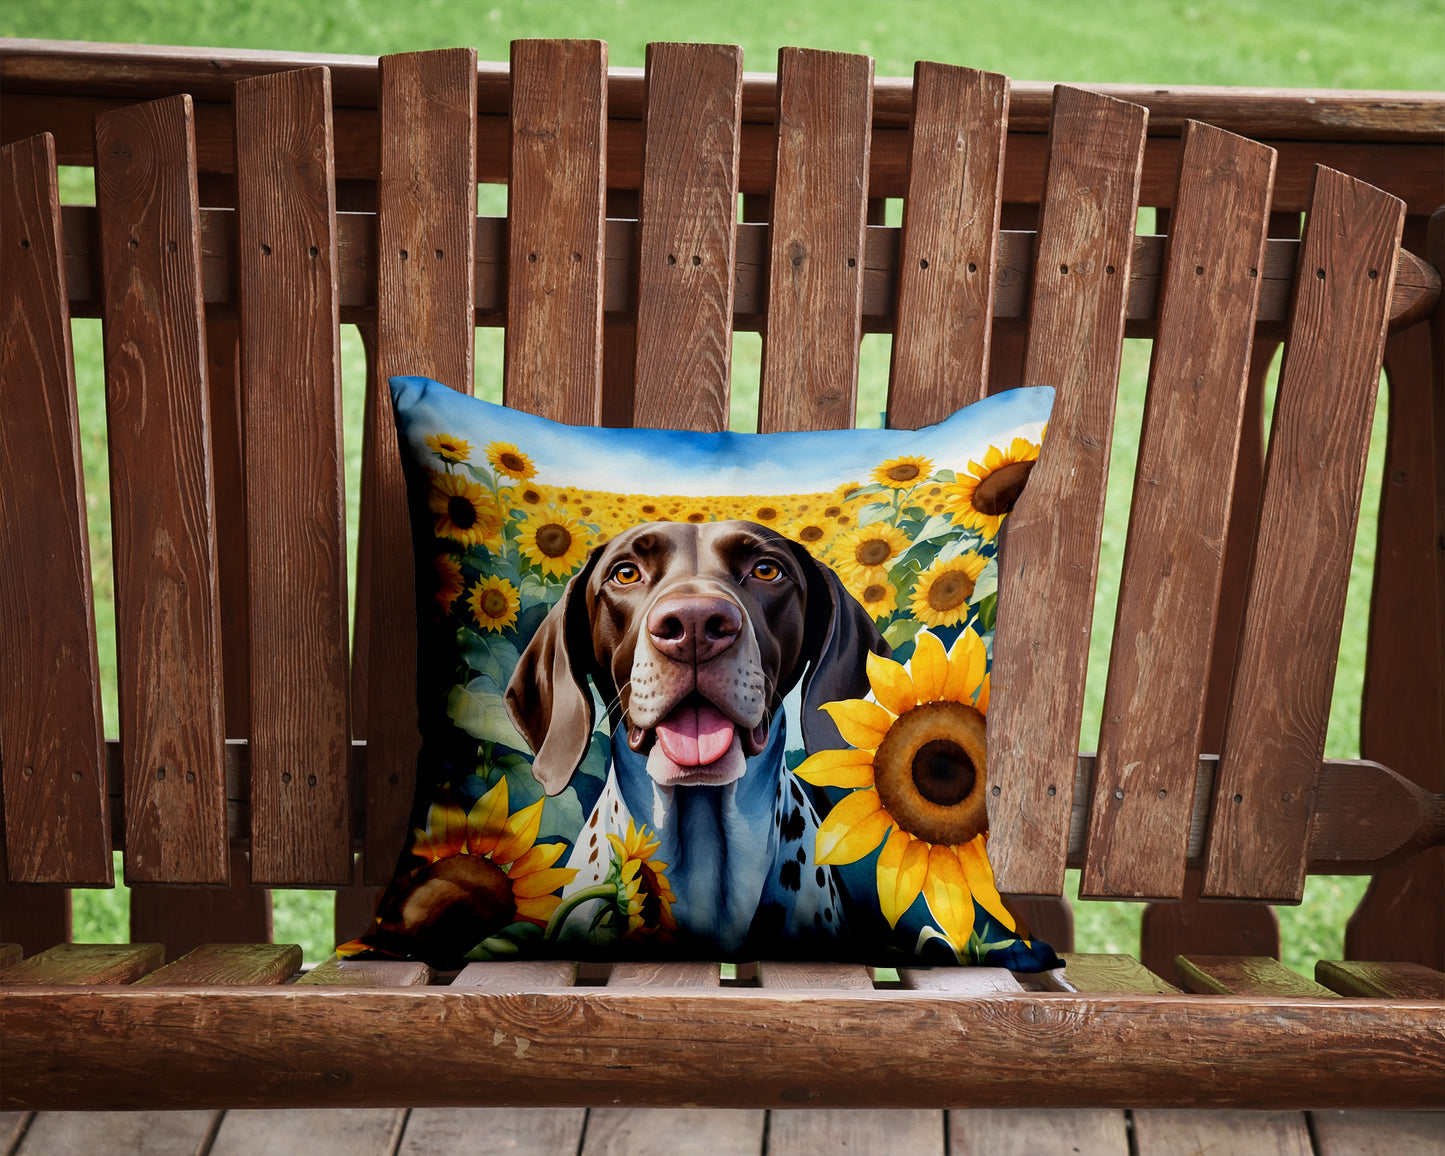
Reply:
x=1377 y=44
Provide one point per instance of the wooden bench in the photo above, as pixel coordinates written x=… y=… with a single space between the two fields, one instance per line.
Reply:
x=246 y=207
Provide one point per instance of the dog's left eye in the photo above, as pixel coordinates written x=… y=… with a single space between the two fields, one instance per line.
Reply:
x=767 y=571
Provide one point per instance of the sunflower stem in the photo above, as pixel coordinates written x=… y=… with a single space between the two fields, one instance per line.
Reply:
x=572 y=902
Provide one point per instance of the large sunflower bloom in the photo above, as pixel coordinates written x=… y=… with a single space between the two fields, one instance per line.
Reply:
x=448 y=448
x=643 y=890
x=940 y=597
x=867 y=552
x=916 y=768
x=556 y=543
x=982 y=497
x=508 y=459
x=878 y=596
x=508 y=840
x=463 y=510
x=903 y=473
x=495 y=604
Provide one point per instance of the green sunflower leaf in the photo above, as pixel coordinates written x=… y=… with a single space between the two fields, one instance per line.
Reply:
x=987 y=582
x=478 y=708
x=874 y=512
x=936 y=527
x=902 y=631
x=947 y=477
x=489 y=654
x=562 y=815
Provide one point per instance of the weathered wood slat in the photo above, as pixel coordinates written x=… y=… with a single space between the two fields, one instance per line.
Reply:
x=516 y=1131
x=367 y=973
x=300 y=821
x=1382 y=980
x=56 y=820
x=332 y=1132
x=673 y=1132
x=1164 y=1133
x=814 y=976
x=947 y=266
x=12 y=1127
x=555 y=206
x=1029 y=1131
x=1275 y=732
x=1095 y=972
x=426 y=220
x=958 y=980
x=84 y=964
x=1242 y=975
x=228 y=963
x=640 y=975
x=168 y=633
x=34 y=916
x=154 y=1133
x=1192 y=925
x=1048 y=565
x=816 y=259
x=183 y=918
x=1355 y=1133
x=873 y=1132
x=521 y=975
x=1154 y=702
x=687 y=237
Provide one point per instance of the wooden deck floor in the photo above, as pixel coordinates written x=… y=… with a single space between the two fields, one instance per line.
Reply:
x=683 y=1132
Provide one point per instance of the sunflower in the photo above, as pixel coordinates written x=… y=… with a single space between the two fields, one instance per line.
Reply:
x=464 y=511
x=449 y=581
x=508 y=459
x=986 y=493
x=916 y=768
x=528 y=497
x=903 y=473
x=868 y=551
x=448 y=448
x=495 y=603
x=814 y=534
x=878 y=596
x=643 y=890
x=940 y=598
x=555 y=543
x=508 y=840
x=767 y=511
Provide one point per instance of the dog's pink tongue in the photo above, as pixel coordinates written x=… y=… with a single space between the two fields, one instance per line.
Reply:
x=695 y=734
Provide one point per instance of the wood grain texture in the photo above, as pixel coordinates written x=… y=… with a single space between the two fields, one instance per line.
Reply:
x=1174 y=1131
x=228 y=963
x=426 y=218
x=34 y=915
x=516 y=1131
x=814 y=976
x=327 y=1132
x=1154 y=700
x=1275 y=732
x=71 y=964
x=57 y=825
x=1192 y=925
x=1096 y=972
x=1382 y=980
x=295 y=1046
x=153 y=1133
x=1346 y=1133
x=876 y=1132
x=12 y=1127
x=300 y=740
x=518 y=975
x=674 y=1132
x=555 y=206
x=336 y=972
x=183 y=918
x=168 y=632
x=815 y=257
x=1242 y=975
x=1048 y=563
x=687 y=237
x=958 y=980
x=642 y=975
x=949 y=248
x=1029 y=1131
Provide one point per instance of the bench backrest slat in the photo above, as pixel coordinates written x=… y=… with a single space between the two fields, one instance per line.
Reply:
x=948 y=257
x=168 y=639
x=295 y=501
x=1173 y=563
x=426 y=243
x=1275 y=732
x=816 y=262
x=56 y=814
x=555 y=224
x=687 y=236
x=1048 y=565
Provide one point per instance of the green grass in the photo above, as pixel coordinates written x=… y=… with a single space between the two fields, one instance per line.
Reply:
x=1307 y=43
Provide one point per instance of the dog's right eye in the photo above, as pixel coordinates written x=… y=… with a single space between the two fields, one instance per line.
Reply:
x=625 y=574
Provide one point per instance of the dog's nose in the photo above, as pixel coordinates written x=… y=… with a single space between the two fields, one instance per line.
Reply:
x=693 y=627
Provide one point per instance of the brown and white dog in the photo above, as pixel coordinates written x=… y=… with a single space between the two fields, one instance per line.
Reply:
x=693 y=635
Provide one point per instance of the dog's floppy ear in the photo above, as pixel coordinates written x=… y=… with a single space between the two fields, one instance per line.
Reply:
x=547 y=696
x=839 y=633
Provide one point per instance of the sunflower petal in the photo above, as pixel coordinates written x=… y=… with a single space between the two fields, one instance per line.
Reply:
x=930 y=667
x=537 y=857
x=447 y=826
x=852 y=829
x=538 y=909
x=967 y=667
x=518 y=833
x=902 y=866
x=976 y=869
x=947 y=894
x=981 y=702
x=891 y=684
x=862 y=724
x=537 y=883
x=487 y=818
x=845 y=768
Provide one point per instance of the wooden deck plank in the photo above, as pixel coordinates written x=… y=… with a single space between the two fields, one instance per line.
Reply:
x=119 y=1133
x=228 y=963
x=85 y=964
x=1031 y=1131
x=520 y=975
x=1153 y=715
x=310 y=1132
x=12 y=1127
x=514 y=1131
x=687 y=237
x=1347 y=1133
x=1243 y=975
x=814 y=976
x=638 y=974
x=674 y=1132
x=857 y=1131
x=295 y=499
x=1048 y=565
x=959 y=980
x=57 y=822
x=1172 y=1132
x=1096 y=972
x=167 y=612
x=1382 y=980
x=1275 y=733
x=816 y=260
x=367 y=973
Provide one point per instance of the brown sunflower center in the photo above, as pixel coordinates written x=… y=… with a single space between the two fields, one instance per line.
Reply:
x=929 y=772
x=949 y=591
x=767 y=514
x=462 y=512
x=874 y=593
x=531 y=497
x=697 y=516
x=554 y=540
x=494 y=604
x=998 y=492
x=873 y=552
x=810 y=533
x=832 y=511
x=512 y=463
x=902 y=472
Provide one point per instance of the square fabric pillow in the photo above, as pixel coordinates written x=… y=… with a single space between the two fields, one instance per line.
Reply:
x=704 y=696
